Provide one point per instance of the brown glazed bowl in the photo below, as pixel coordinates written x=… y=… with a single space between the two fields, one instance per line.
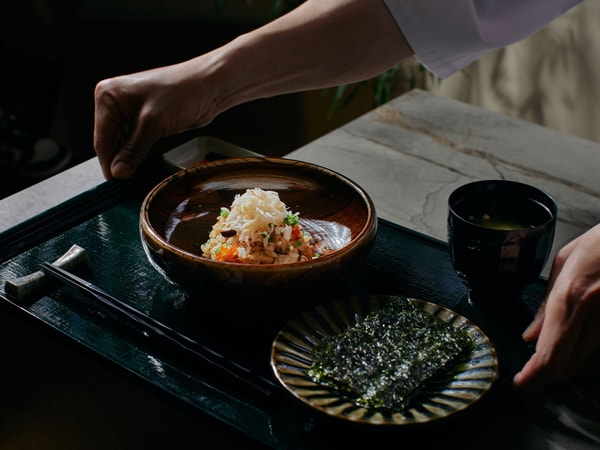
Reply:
x=177 y=215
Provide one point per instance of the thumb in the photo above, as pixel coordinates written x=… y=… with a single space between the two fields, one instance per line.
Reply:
x=132 y=153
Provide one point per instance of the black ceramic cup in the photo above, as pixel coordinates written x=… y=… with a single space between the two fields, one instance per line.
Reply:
x=500 y=235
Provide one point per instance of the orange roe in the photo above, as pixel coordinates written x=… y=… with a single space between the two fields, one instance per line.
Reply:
x=227 y=254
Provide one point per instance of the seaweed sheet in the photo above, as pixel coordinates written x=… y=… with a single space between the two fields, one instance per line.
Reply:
x=383 y=361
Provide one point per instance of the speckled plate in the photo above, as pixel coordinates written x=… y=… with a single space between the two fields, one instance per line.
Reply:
x=461 y=387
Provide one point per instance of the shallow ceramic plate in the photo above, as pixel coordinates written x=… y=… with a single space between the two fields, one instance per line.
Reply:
x=291 y=356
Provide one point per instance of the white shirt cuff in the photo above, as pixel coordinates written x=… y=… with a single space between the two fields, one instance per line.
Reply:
x=447 y=35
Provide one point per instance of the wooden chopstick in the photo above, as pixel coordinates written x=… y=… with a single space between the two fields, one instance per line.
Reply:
x=157 y=329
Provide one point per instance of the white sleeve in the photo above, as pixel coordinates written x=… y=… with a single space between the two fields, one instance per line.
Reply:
x=447 y=35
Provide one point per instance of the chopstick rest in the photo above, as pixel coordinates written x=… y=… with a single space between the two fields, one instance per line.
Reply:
x=29 y=286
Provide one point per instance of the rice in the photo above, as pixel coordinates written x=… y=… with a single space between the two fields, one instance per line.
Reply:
x=258 y=228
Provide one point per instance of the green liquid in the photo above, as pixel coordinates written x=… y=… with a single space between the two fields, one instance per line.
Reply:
x=487 y=221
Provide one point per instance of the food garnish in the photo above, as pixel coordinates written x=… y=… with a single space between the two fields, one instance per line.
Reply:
x=385 y=360
x=258 y=228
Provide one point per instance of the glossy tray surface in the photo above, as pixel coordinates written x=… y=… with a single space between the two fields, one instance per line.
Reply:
x=105 y=223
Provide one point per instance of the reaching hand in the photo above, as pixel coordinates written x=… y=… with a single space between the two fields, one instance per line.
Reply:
x=133 y=111
x=296 y=52
x=567 y=324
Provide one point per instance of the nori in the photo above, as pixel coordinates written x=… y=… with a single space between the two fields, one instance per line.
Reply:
x=385 y=360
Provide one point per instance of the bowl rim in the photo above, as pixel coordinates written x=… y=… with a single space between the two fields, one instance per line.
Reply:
x=529 y=191
x=145 y=224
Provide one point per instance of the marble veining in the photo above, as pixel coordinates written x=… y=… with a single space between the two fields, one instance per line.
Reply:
x=412 y=152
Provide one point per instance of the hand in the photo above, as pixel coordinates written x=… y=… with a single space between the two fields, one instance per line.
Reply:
x=296 y=52
x=133 y=111
x=566 y=325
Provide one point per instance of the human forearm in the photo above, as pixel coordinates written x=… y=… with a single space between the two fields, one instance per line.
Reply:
x=320 y=44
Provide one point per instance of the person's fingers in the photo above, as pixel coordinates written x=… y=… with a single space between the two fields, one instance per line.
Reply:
x=578 y=356
x=110 y=126
x=107 y=136
x=125 y=127
x=558 y=327
x=568 y=341
x=105 y=152
x=126 y=162
x=134 y=150
x=584 y=358
x=558 y=340
x=568 y=336
x=532 y=332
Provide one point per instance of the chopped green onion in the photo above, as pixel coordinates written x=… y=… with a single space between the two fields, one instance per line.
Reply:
x=291 y=219
x=224 y=212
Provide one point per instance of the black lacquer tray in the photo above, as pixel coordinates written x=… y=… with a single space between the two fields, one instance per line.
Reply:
x=104 y=221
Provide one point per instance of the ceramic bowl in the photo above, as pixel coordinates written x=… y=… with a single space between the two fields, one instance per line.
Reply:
x=177 y=215
x=500 y=236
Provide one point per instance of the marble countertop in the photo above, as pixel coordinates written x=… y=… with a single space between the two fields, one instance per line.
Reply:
x=412 y=153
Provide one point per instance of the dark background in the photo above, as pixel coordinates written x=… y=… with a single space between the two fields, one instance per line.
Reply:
x=53 y=52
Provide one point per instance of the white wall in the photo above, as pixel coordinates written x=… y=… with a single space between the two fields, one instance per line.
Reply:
x=551 y=78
